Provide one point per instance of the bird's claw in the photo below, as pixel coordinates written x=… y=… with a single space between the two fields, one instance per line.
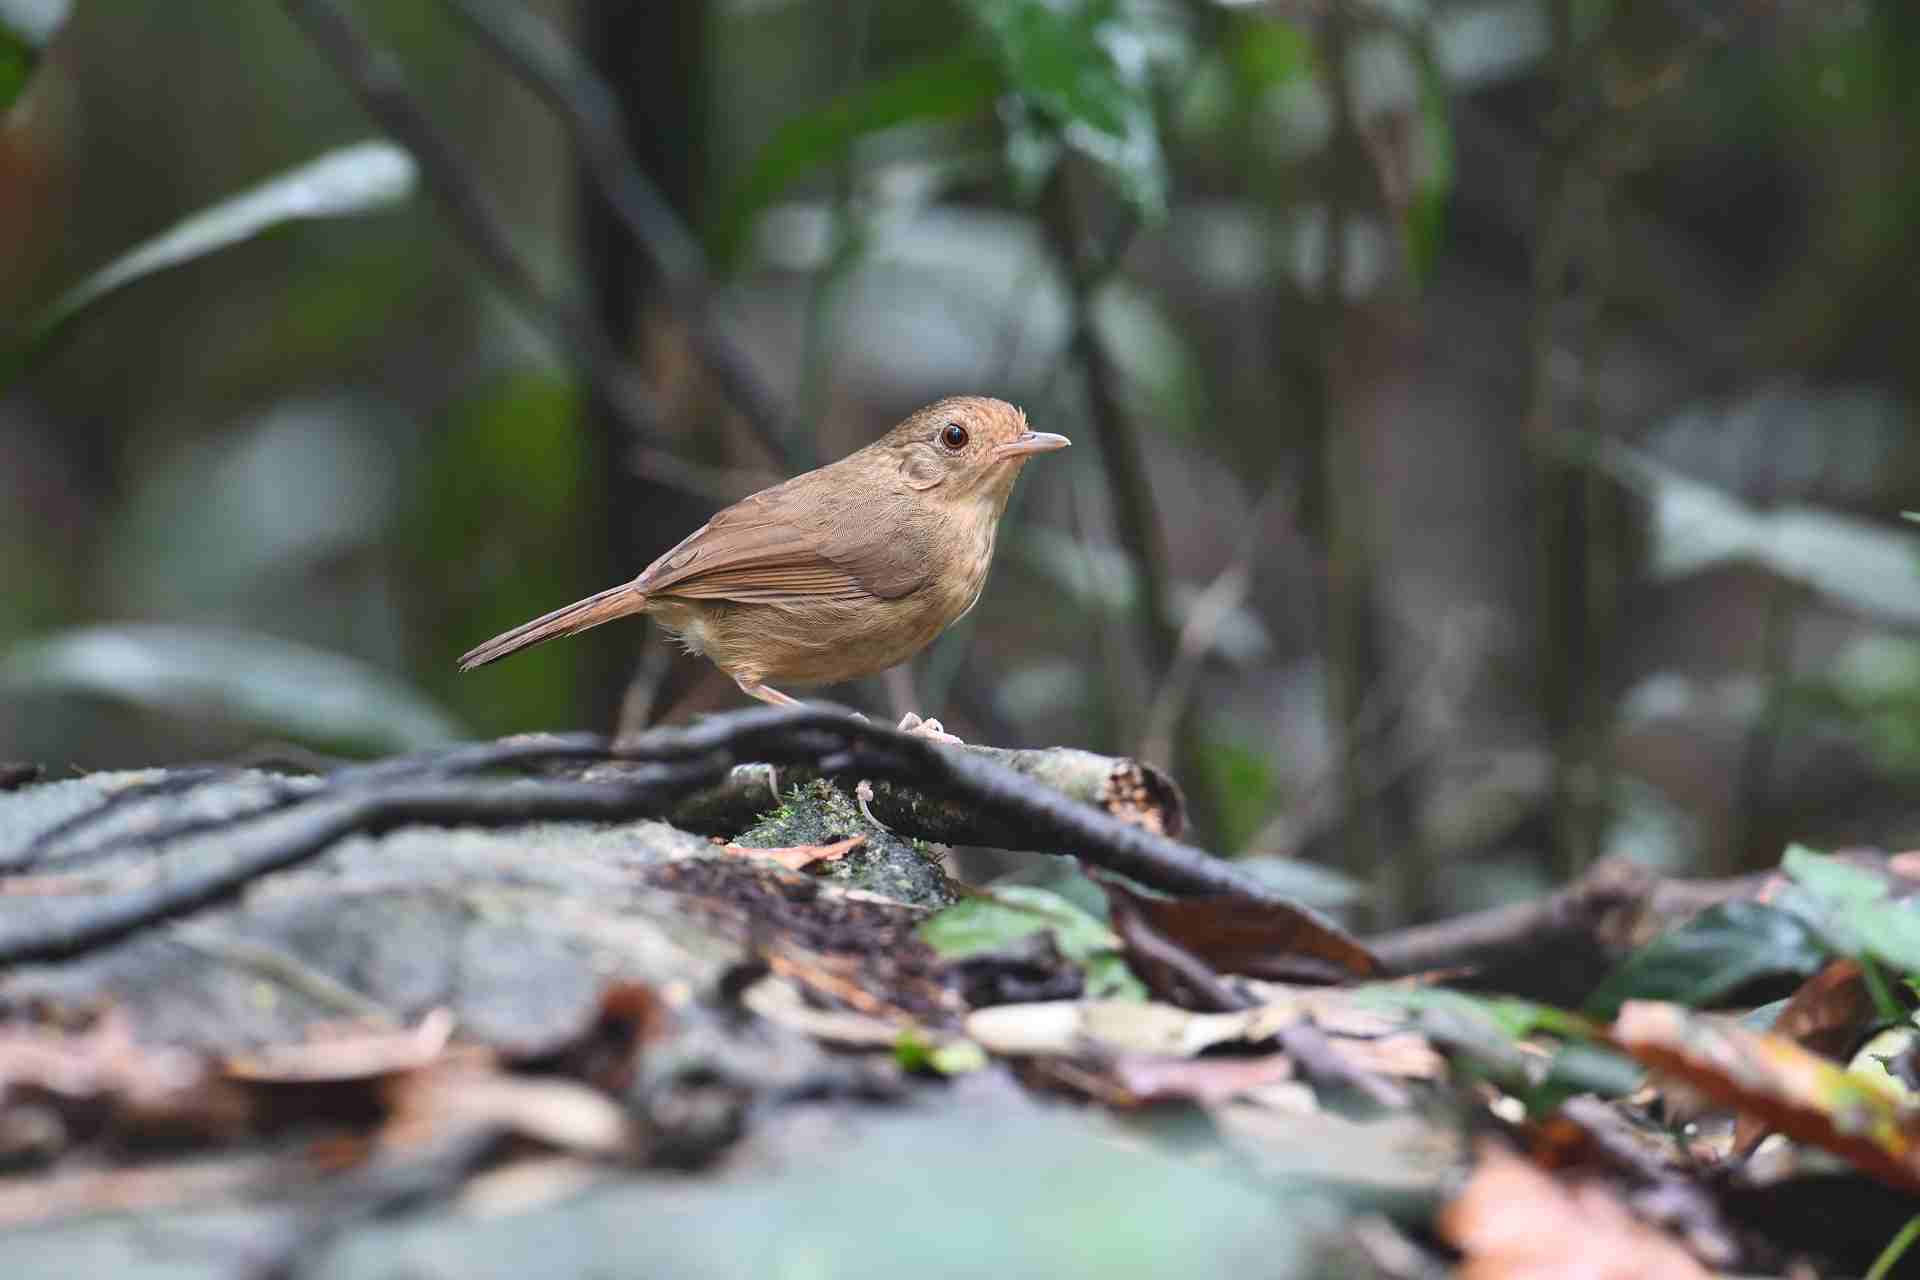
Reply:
x=932 y=729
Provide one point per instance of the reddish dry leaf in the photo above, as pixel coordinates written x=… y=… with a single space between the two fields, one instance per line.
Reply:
x=145 y=1088
x=1514 y=1222
x=798 y=857
x=345 y=1053
x=1780 y=1084
x=1247 y=936
x=430 y=1103
x=1827 y=1015
x=607 y=1053
x=1199 y=1079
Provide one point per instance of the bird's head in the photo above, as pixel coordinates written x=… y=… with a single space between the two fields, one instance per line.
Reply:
x=966 y=448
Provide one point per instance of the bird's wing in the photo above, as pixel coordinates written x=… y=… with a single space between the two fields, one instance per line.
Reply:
x=776 y=547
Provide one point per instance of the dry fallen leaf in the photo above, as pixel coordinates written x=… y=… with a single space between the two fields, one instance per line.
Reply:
x=340 y=1054
x=1202 y=1079
x=1242 y=935
x=1514 y=1222
x=145 y=1088
x=798 y=857
x=1827 y=1015
x=463 y=1096
x=1780 y=1084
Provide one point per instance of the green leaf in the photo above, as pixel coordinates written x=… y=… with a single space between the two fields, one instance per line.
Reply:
x=1239 y=780
x=1433 y=164
x=16 y=66
x=352 y=180
x=1270 y=54
x=1503 y=1018
x=1486 y=1031
x=271 y=685
x=25 y=28
x=1889 y=932
x=1838 y=884
x=950 y=87
x=1712 y=955
x=1053 y=58
x=1074 y=92
x=1006 y=914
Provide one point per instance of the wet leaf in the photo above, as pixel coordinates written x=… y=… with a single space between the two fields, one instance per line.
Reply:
x=1712 y=955
x=1513 y=1221
x=1779 y=1084
x=362 y=178
x=273 y=685
x=1857 y=563
x=1834 y=881
x=949 y=87
x=1855 y=907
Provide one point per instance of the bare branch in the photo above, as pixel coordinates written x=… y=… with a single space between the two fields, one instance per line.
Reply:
x=675 y=762
x=535 y=54
x=378 y=83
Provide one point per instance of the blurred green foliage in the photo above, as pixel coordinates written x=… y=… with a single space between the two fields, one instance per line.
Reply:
x=503 y=508
x=340 y=433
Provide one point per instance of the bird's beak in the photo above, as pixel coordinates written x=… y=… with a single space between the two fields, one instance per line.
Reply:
x=1030 y=442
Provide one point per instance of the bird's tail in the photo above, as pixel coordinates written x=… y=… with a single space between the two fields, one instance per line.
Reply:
x=605 y=606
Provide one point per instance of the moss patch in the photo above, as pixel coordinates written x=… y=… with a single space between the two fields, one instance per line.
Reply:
x=817 y=812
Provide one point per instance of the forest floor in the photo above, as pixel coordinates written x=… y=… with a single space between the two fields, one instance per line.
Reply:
x=557 y=1006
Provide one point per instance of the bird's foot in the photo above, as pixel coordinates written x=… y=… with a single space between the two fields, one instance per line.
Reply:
x=913 y=724
x=863 y=796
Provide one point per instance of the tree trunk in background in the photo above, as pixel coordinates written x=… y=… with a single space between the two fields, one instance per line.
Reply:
x=653 y=58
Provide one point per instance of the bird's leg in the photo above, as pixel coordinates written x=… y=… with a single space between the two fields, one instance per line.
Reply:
x=913 y=724
x=751 y=686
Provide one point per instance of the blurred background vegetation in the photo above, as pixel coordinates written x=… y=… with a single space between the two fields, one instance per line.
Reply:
x=1492 y=418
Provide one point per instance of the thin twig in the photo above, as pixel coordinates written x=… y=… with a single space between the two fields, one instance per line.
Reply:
x=1208 y=613
x=1557 y=948
x=1088 y=268
x=381 y=88
x=1341 y=505
x=587 y=106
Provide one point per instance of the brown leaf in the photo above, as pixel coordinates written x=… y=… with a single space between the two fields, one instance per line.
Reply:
x=1780 y=1084
x=1514 y=1222
x=1245 y=935
x=798 y=857
x=608 y=1051
x=336 y=1054
x=1827 y=1015
x=452 y=1097
x=1155 y=1079
x=117 y=1080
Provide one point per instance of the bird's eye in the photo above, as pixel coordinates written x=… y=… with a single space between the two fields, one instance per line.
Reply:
x=954 y=436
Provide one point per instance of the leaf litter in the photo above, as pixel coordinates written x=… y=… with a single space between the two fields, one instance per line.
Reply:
x=1501 y=1135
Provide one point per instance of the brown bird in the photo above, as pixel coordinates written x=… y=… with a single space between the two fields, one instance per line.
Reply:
x=837 y=573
